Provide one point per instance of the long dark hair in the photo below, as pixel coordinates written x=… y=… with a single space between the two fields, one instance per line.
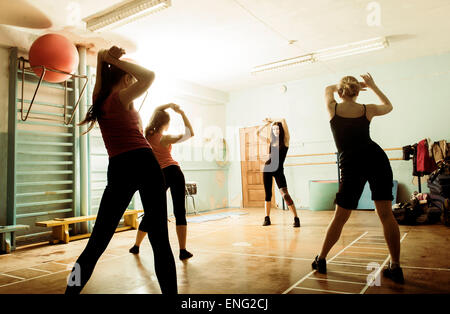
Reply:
x=110 y=76
x=158 y=119
x=280 y=137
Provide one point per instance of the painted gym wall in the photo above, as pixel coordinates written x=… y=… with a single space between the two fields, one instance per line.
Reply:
x=418 y=89
x=4 y=85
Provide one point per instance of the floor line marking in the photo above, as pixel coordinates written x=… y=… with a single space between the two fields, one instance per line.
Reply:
x=64 y=264
x=366 y=253
x=105 y=254
x=359 y=259
x=335 y=280
x=104 y=260
x=378 y=272
x=37 y=269
x=330 y=291
x=349 y=264
x=3 y=274
x=349 y=273
x=257 y=255
x=308 y=259
x=312 y=272
x=427 y=268
x=371 y=248
x=60 y=271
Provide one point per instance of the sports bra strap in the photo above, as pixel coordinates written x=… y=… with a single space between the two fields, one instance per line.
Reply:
x=365 y=110
x=335 y=108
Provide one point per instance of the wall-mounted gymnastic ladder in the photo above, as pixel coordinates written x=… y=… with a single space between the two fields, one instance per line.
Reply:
x=42 y=161
x=53 y=170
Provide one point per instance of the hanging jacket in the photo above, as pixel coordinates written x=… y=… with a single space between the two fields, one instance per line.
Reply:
x=425 y=163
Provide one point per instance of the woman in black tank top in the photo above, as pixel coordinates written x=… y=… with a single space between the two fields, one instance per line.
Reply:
x=360 y=160
x=273 y=168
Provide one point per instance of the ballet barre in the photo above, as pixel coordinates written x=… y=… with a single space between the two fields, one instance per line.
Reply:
x=330 y=154
x=330 y=162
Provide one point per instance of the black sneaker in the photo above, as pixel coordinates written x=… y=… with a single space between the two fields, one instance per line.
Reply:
x=184 y=254
x=134 y=249
x=296 y=222
x=266 y=221
x=395 y=274
x=320 y=265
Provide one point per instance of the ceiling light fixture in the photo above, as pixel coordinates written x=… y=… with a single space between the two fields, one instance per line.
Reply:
x=283 y=64
x=124 y=13
x=351 y=49
x=326 y=54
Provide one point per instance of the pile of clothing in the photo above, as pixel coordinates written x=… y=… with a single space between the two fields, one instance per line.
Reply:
x=433 y=159
x=419 y=210
x=426 y=155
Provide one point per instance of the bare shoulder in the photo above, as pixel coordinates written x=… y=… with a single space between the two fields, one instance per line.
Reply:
x=331 y=107
x=371 y=111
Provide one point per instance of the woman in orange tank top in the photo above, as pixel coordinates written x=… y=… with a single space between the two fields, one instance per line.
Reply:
x=131 y=162
x=174 y=178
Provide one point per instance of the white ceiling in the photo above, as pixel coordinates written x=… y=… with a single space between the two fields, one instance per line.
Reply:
x=215 y=43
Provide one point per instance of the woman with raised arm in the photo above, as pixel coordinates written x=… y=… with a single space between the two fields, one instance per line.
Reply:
x=132 y=167
x=273 y=168
x=174 y=178
x=360 y=160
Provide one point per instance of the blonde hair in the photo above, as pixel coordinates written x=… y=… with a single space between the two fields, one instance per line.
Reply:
x=349 y=87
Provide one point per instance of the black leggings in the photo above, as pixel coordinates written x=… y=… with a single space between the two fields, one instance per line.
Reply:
x=280 y=179
x=174 y=179
x=136 y=170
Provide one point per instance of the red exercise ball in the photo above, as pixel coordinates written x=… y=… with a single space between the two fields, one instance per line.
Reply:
x=56 y=52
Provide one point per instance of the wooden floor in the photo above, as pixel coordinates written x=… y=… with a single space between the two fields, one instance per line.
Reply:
x=237 y=255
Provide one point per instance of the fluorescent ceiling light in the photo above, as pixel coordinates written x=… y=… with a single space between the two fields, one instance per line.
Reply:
x=351 y=49
x=283 y=64
x=124 y=13
x=326 y=54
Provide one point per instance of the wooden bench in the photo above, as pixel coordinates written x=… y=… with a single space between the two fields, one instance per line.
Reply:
x=60 y=226
x=7 y=237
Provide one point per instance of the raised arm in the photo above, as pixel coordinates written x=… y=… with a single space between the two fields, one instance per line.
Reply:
x=376 y=110
x=144 y=77
x=98 y=75
x=166 y=140
x=161 y=108
x=329 y=98
x=287 y=136
x=258 y=131
x=283 y=122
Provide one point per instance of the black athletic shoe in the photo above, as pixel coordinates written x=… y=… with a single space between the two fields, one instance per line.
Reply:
x=266 y=221
x=296 y=222
x=320 y=265
x=395 y=274
x=184 y=254
x=134 y=249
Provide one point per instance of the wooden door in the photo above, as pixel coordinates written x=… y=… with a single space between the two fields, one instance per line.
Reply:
x=254 y=153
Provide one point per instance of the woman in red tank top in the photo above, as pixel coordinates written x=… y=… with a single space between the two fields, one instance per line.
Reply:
x=174 y=178
x=132 y=167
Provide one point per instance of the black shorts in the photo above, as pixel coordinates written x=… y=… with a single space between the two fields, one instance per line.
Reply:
x=280 y=179
x=357 y=167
